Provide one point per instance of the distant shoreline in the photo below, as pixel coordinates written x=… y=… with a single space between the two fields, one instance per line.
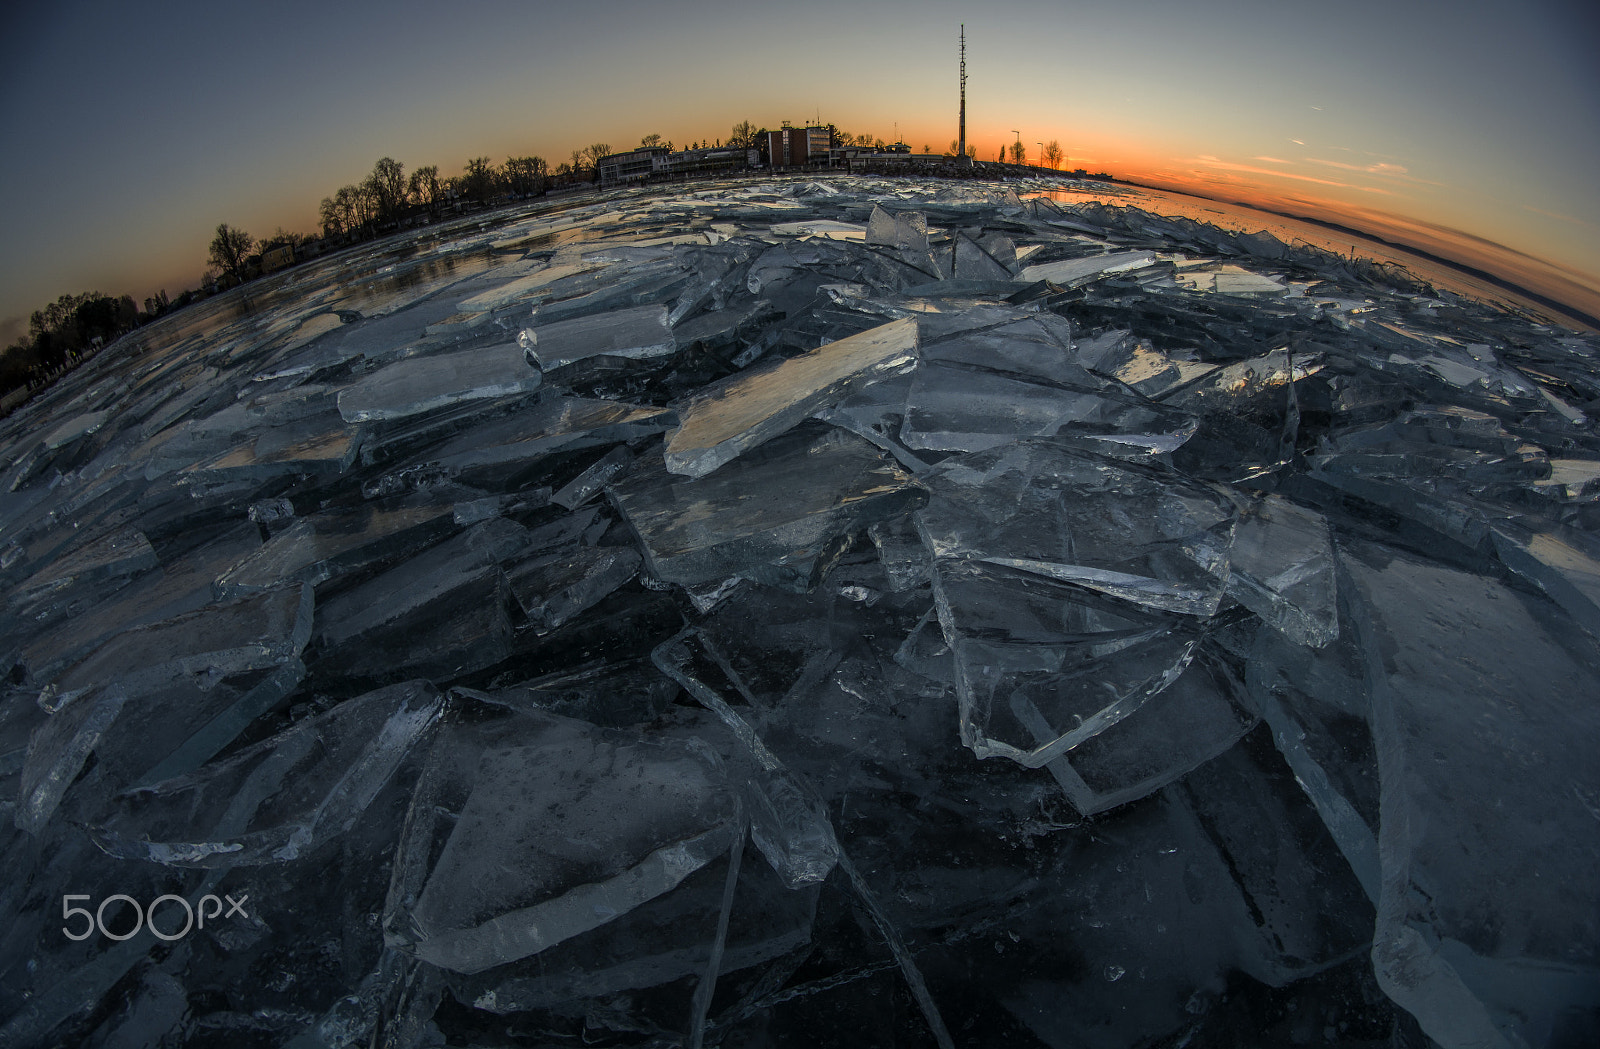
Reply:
x=1583 y=317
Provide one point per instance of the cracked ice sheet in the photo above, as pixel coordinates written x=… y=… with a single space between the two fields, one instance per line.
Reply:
x=420 y=384
x=1480 y=716
x=779 y=508
x=509 y=875
x=276 y=800
x=725 y=420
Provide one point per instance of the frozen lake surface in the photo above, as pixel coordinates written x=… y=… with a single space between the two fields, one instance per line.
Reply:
x=835 y=613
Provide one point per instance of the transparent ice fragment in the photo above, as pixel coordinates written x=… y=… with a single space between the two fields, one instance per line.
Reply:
x=555 y=423
x=1181 y=727
x=58 y=750
x=1137 y=364
x=785 y=503
x=1479 y=693
x=1564 y=562
x=1073 y=272
x=371 y=629
x=639 y=332
x=907 y=230
x=719 y=423
x=1137 y=533
x=587 y=484
x=315 y=446
x=256 y=633
x=1042 y=667
x=492 y=871
x=420 y=384
x=318 y=548
x=1282 y=568
x=554 y=588
x=281 y=798
x=904 y=558
x=122 y=553
x=972 y=262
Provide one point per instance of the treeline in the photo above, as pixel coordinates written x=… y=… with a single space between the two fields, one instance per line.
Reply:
x=65 y=332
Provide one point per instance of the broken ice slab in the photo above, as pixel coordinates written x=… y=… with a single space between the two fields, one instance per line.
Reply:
x=662 y=940
x=900 y=549
x=1232 y=387
x=554 y=588
x=1282 y=569
x=1228 y=279
x=458 y=585
x=1181 y=727
x=182 y=585
x=317 y=548
x=58 y=750
x=1072 y=272
x=1136 y=363
x=122 y=553
x=1141 y=534
x=255 y=633
x=972 y=262
x=638 y=333
x=317 y=446
x=587 y=484
x=907 y=230
x=719 y=423
x=1563 y=562
x=278 y=799
x=783 y=505
x=491 y=870
x=420 y=384
x=528 y=287
x=1042 y=666
x=565 y=423
x=1483 y=720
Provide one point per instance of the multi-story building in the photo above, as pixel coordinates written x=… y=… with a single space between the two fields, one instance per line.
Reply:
x=636 y=165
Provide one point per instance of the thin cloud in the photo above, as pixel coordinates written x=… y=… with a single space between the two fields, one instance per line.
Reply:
x=1297 y=142
x=1382 y=169
x=1222 y=165
x=1272 y=160
x=1558 y=215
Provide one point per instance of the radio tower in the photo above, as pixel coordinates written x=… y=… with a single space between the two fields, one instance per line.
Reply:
x=961 y=141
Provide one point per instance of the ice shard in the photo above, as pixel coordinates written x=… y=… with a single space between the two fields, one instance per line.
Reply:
x=718 y=424
x=1496 y=694
x=639 y=332
x=276 y=800
x=777 y=513
x=506 y=875
x=421 y=384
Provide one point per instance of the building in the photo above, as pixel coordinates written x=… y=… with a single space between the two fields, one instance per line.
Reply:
x=636 y=165
x=277 y=258
x=799 y=146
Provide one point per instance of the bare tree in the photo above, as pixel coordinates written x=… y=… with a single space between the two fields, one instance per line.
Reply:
x=743 y=136
x=387 y=184
x=1053 y=154
x=525 y=175
x=229 y=248
x=478 y=182
x=424 y=189
x=1019 y=152
x=592 y=155
x=650 y=140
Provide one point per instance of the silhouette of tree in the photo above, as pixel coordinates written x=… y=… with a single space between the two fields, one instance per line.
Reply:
x=1019 y=153
x=424 y=189
x=1052 y=154
x=650 y=140
x=387 y=185
x=479 y=182
x=525 y=175
x=743 y=136
x=229 y=248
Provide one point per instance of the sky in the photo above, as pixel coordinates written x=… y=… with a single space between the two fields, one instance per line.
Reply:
x=130 y=130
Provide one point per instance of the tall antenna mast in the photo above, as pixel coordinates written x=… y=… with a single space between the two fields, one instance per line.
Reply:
x=961 y=142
